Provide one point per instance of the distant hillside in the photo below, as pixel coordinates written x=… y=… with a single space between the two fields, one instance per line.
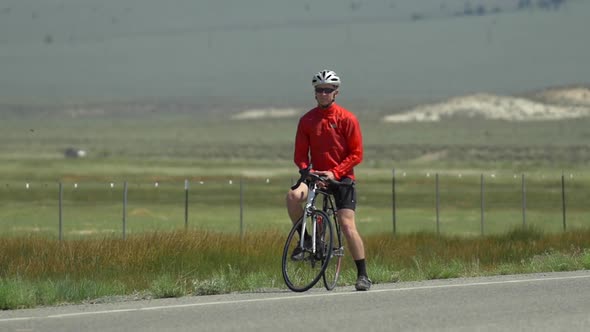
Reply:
x=555 y=103
x=550 y=104
x=131 y=107
x=577 y=95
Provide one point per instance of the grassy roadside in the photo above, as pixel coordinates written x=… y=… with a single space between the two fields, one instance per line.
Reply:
x=37 y=271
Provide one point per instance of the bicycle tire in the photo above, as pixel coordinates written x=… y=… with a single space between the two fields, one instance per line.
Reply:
x=301 y=275
x=332 y=271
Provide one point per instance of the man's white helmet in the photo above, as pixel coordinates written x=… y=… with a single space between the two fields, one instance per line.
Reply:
x=326 y=77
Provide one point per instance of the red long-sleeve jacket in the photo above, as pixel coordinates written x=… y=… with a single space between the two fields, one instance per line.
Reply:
x=330 y=139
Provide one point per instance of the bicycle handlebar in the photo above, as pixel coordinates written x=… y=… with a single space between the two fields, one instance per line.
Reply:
x=306 y=173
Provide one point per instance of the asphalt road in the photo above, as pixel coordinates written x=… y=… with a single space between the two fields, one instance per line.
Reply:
x=535 y=302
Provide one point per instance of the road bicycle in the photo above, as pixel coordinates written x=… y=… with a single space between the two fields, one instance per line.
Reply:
x=321 y=255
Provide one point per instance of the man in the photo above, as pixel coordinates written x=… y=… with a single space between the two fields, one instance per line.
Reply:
x=329 y=138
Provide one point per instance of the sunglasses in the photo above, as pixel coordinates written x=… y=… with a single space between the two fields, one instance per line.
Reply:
x=324 y=90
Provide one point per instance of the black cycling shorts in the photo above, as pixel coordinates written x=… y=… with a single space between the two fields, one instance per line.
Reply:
x=345 y=196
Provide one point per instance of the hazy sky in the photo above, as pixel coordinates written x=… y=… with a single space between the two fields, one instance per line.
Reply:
x=269 y=49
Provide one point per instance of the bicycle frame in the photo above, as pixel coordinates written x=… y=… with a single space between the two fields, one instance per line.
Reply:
x=324 y=244
x=328 y=207
x=309 y=207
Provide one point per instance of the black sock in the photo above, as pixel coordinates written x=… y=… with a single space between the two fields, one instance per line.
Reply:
x=361 y=267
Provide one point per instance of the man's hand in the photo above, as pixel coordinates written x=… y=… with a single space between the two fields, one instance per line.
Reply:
x=326 y=174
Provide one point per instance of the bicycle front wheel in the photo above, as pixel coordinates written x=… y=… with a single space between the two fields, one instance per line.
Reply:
x=303 y=272
x=332 y=271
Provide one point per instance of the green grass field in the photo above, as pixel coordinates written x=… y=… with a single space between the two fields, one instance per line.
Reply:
x=248 y=204
x=215 y=154
x=181 y=138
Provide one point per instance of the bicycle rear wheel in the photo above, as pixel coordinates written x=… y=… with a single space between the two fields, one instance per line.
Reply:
x=332 y=271
x=302 y=274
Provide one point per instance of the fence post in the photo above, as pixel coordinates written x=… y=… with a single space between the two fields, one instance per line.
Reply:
x=523 y=202
x=482 y=203
x=124 y=210
x=437 y=205
x=563 y=200
x=60 y=228
x=241 y=208
x=186 y=204
x=393 y=203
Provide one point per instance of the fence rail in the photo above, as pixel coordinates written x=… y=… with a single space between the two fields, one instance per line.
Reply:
x=450 y=203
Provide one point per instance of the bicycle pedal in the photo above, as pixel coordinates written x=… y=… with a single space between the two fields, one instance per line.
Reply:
x=338 y=252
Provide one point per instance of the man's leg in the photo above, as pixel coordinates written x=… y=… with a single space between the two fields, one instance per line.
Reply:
x=346 y=218
x=294 y=200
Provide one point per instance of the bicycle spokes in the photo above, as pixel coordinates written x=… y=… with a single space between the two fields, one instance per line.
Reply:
x=302 y=274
